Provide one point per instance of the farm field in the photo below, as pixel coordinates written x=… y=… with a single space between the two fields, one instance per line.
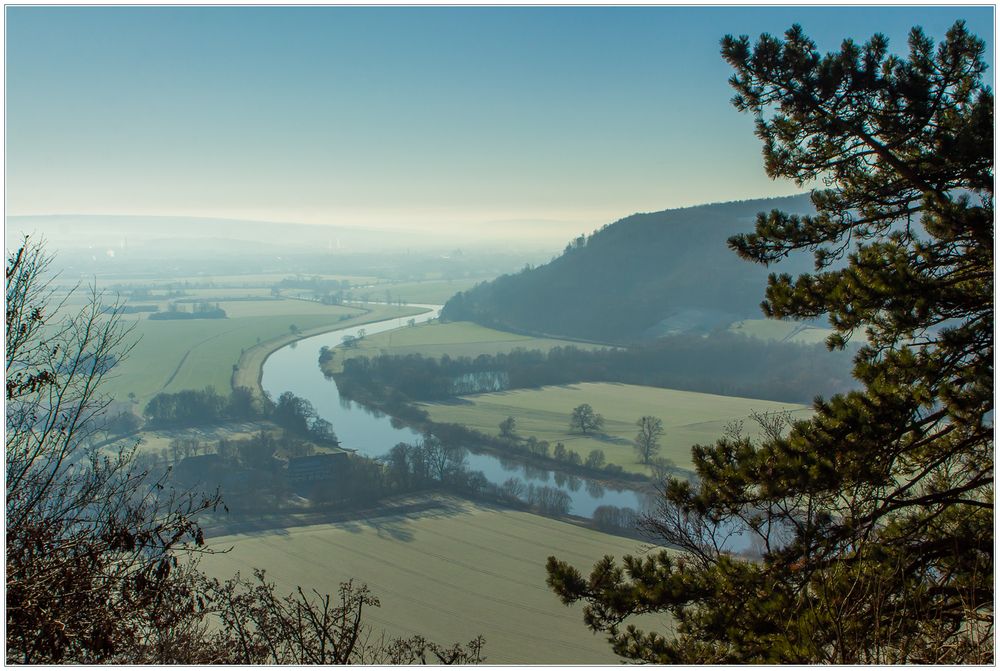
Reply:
x=249 y=280
x=434 y=292
x=191 y=354
x=688 y=417
x=448 y=573
x=453 y=338
x=785 y=331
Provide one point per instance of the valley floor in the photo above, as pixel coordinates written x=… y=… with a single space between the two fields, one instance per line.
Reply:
x=689 y=417
x=448 y=572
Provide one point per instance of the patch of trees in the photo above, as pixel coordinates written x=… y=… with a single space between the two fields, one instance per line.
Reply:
x=298 y=416
x=121 y=423
x=200 y=311
x=723 y=363
x=417 y=377
x=192 y=407
x=614 y=519
x=432 y=464
x=556 y=457
x=676 y=259
x=431 y=461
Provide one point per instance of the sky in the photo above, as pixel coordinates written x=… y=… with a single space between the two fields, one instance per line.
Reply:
x=431 y=118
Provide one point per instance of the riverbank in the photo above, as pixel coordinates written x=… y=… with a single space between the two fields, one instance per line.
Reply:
x=250 y=367
x=409 y=415
x=295 y=369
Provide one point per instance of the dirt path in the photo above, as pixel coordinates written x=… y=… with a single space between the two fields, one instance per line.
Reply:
x=191 y=349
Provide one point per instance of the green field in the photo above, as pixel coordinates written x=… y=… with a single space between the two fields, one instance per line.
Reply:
x=448 y=574
x=191 y=354
x=688 y=417
x=784 y=331
x=453 y=338
x=169 y=356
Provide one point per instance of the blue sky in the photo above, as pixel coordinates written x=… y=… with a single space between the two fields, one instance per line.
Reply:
x=396 y=116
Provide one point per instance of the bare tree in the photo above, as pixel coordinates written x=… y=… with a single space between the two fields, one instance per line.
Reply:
x=647 y=441
x=91 y=542
x=261 y=627
x=508 y=427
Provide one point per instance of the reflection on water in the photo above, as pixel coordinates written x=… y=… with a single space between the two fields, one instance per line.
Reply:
x=372 y=434
x=533 y=473
x=595 y=489
x=508 y=464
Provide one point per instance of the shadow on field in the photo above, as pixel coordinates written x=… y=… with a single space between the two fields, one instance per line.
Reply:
x=391 y=520
x=614 y=440
x=395 y=530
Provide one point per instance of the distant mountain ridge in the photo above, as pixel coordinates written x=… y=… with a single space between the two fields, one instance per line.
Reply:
x=642 y=276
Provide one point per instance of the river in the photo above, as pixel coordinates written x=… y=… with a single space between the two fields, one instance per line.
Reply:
x=295 y=368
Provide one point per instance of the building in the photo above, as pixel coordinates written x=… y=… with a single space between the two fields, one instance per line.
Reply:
x=316 y=467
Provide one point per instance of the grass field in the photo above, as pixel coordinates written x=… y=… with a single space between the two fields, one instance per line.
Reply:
x=688 y=417
x=453 y=338
x=191 y=354
x=448 y=574
x=785 y=331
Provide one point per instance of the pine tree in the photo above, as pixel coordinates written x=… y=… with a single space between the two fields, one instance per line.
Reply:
x=874 y=518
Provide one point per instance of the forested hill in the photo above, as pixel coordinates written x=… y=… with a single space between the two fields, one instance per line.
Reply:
x=643 y=276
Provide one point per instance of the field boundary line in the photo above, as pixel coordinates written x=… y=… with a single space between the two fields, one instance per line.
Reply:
x=191 y=349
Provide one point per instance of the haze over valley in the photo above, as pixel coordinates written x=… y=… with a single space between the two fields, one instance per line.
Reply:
x=392 y=335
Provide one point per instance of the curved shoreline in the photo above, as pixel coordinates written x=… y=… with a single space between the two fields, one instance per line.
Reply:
x=249 y=369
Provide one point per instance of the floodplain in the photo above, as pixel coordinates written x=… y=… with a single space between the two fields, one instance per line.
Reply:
x=688 y=417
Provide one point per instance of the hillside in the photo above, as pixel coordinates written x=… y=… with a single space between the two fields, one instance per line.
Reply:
x=643 y=276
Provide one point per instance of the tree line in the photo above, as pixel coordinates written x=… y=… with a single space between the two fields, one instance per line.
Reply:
x=193 y=407
x=723 y=363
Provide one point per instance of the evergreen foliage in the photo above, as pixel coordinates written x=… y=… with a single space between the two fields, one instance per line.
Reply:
x=874 y=518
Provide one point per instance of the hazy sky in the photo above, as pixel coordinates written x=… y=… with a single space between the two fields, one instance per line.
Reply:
x=389 y=116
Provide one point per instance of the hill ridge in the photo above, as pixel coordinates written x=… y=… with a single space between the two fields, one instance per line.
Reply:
x=643 y=275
